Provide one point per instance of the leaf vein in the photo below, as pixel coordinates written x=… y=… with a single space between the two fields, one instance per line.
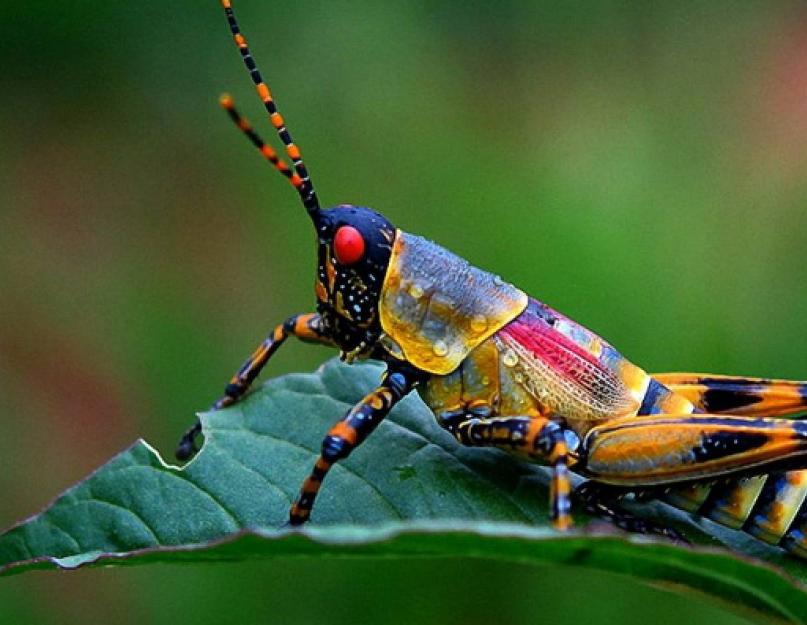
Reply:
x=94 y=499
x=233 y=518
x=248 y=468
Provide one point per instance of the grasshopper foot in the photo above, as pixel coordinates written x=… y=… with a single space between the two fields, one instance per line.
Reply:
x=187 y=445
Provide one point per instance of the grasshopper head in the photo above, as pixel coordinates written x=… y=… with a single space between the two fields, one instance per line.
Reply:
x=354 y=247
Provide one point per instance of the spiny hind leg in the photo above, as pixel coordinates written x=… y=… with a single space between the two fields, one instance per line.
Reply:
x=605 y=501
x=534 y=437
x=671 y=449
x=753 y=397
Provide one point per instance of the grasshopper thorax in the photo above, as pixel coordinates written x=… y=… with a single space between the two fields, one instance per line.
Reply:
x=354 y=248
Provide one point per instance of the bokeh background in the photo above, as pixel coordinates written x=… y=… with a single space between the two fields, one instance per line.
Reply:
x=640 y=166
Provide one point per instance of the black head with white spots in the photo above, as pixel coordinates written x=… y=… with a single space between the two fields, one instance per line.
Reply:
x=355 y=244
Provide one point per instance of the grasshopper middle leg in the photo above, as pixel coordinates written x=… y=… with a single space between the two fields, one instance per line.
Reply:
x=535 y=437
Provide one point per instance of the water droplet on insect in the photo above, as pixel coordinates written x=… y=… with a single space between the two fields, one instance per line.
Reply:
x=479 y=323
x=440 y=348
x=510 y=359
x=416 y=291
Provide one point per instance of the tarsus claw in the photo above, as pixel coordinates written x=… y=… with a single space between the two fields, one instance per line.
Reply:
x=187 y=446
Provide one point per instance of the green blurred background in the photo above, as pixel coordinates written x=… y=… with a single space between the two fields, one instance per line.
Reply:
x=640 y=166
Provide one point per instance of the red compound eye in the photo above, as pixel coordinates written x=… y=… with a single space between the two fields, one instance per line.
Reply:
x=348 y=245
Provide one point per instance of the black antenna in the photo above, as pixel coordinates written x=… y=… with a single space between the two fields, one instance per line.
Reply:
x=302 y=181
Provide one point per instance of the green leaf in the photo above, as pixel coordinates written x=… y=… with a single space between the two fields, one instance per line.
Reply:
x=411 y=490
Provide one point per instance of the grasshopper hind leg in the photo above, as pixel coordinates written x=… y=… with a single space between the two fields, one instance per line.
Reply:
x=605 y=501
x=742 y=396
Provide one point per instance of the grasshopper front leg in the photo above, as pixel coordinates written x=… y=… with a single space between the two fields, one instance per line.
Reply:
x=307 y=327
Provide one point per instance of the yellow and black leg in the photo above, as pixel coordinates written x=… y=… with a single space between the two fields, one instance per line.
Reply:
x=535 y=437
x=307 y=327
x=349 y=433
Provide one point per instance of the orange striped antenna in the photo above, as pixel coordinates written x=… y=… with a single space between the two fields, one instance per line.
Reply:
x=300 y=179
x=268 y=152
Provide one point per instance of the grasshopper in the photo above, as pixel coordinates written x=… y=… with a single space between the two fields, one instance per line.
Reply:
x=500 y=369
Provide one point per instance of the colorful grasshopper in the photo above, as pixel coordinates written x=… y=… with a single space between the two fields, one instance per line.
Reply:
x=500 y=369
